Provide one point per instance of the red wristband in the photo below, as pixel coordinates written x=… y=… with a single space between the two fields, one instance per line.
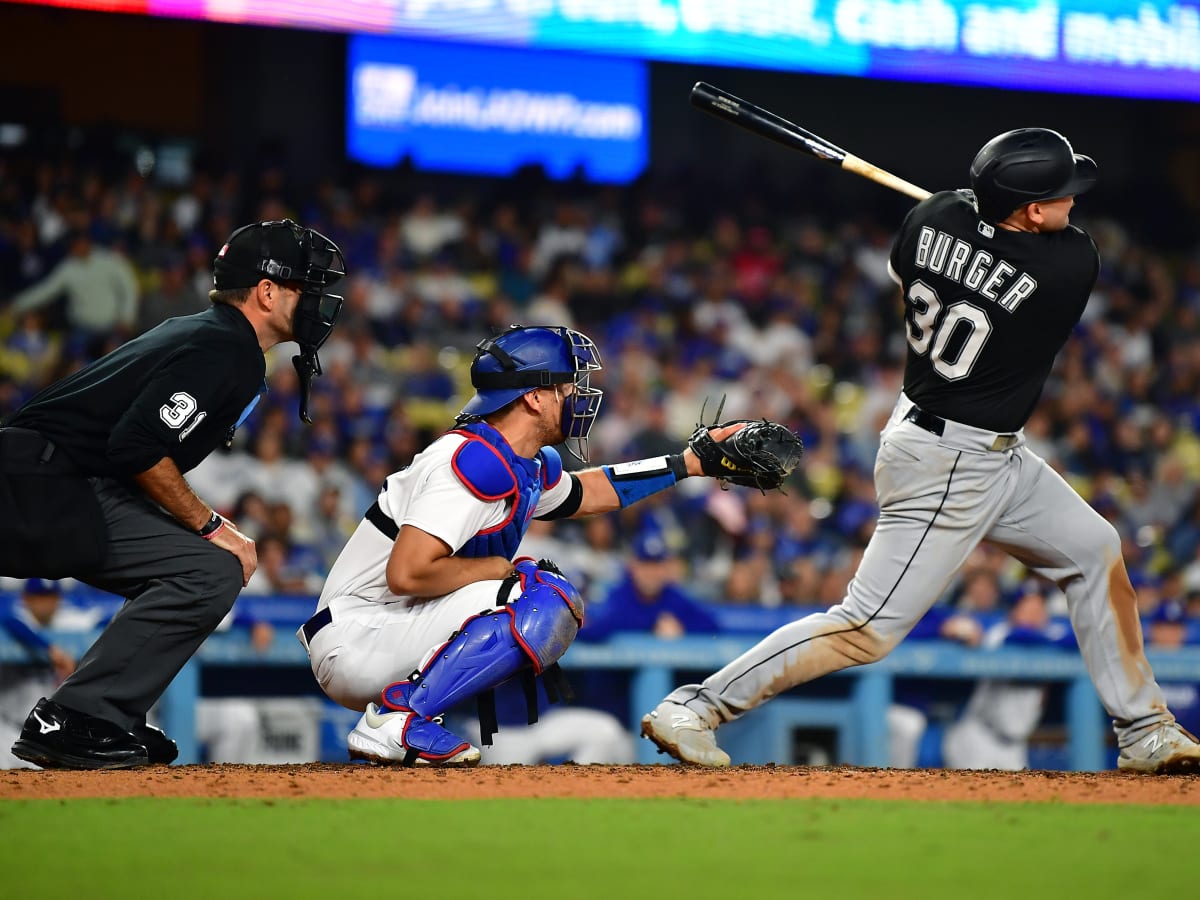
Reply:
x=211 y=527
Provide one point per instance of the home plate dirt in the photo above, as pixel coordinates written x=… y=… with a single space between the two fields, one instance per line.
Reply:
x=738 y=782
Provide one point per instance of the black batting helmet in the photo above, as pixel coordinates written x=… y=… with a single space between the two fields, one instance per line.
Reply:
x=1027 y=165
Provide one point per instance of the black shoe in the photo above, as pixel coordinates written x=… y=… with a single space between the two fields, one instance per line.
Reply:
x=55 y=737
x=160 y=748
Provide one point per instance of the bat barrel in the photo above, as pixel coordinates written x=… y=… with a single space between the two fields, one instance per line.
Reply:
x=725 y=105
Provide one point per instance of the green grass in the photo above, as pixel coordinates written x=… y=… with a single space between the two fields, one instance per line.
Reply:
x=612 y=849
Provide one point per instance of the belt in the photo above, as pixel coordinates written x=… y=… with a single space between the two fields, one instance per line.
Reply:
x=927 y=420
x=937 y=425
x=319 y=620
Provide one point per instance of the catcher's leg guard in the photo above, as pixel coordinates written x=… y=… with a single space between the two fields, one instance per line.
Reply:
x=533 y=630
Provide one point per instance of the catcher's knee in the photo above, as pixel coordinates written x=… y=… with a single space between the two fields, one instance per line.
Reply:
x=532 y=630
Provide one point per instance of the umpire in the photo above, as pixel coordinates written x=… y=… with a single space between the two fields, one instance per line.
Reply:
x=91 y=486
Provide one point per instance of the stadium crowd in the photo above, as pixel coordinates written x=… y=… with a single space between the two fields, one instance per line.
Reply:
x=785 y=312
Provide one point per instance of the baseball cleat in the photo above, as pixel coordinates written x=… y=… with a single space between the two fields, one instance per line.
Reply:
x=403 y=738
x=678 y=731
x=55 y=737
x=1168 y=750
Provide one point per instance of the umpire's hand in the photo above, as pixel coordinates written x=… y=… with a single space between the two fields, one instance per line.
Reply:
x=229 y=538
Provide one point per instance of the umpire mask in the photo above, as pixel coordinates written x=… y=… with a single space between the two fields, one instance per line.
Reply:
x=284 y=251
x=317 y=311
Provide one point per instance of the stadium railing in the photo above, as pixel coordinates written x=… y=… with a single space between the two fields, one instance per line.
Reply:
x=859 y=717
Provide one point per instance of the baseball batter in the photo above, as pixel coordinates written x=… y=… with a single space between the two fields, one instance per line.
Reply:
x=994 y=280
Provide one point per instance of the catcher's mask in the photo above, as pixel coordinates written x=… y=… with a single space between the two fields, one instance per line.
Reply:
x=286 y=252
x=1027 y=165
x=524 y=358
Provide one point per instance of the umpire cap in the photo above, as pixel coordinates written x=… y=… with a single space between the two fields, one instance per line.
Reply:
x=1027 y=165
x=279 y=250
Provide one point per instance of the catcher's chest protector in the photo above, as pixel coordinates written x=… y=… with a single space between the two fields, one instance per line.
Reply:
x=489 y=469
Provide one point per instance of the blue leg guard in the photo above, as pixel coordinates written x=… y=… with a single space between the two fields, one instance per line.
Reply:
x=533 y=630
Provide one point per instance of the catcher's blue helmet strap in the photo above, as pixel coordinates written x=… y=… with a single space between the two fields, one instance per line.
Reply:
x=510 y=377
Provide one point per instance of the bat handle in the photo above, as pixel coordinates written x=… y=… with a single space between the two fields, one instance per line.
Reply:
x=861 y=167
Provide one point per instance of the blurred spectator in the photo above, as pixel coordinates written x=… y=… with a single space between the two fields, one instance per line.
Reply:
x=573 y=733
x=1000 y=716
x=648 y=599
x=283 y=568
x=173 y=295
x=100 y=288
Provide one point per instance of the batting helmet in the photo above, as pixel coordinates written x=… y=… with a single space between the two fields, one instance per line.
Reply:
x=528 y=357
x=1027 y=165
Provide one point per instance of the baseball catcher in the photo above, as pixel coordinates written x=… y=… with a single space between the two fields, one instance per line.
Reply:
x=428 y=604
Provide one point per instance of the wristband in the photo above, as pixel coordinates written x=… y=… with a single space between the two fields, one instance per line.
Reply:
x=211 y=527
x=634 y=481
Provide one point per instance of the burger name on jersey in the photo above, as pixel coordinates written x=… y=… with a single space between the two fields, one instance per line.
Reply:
x=976 y=269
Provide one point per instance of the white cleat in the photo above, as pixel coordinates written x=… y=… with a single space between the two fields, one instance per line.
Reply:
x=401 y=738
x=1168 y=750
x=678 y=731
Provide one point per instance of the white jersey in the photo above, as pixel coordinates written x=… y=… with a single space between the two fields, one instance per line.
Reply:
x=1010 y=709
x=427 y=495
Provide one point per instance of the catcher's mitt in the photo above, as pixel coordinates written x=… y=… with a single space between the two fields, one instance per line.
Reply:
x=762 y=454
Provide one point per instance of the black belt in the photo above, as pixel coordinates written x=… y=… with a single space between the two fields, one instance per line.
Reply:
x=937 y=425
x=319 y=620
x=928 y=421
x=381 y=520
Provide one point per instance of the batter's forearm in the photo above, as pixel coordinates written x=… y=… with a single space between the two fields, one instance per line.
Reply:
x=165 y=485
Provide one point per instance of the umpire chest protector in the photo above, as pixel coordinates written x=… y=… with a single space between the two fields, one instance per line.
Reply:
x=489 y=469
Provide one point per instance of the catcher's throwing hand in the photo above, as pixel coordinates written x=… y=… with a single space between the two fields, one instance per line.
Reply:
x=758 y=454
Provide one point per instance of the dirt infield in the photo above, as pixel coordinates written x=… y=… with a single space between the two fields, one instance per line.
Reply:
x=740 y=782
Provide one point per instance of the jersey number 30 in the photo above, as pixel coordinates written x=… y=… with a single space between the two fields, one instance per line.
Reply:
x=924 y=331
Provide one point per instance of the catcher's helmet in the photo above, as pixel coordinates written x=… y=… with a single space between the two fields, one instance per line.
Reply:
x=284 y=251
x=1024 y=166
x=527 y=357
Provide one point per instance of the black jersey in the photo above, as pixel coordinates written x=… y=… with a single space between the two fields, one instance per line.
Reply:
x=986 y=309
x=176 y=391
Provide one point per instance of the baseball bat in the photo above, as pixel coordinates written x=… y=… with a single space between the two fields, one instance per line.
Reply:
x=765 y=123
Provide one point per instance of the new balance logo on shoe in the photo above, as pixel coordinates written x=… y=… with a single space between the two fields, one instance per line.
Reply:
x=1153 y=742
x=681 y=733
x=47 y=727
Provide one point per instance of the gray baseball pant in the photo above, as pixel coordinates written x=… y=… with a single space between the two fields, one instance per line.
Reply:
x=939 y=496
x=178 y=588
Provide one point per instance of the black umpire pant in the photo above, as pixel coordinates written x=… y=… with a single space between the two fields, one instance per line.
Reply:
x=178 y=588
